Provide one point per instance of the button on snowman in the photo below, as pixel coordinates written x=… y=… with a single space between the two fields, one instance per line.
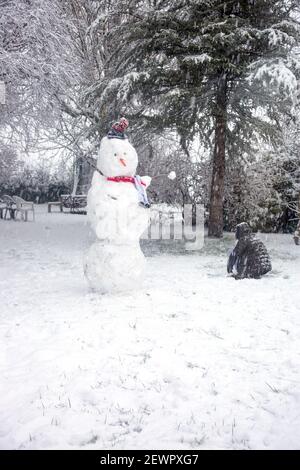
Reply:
x=117 y=211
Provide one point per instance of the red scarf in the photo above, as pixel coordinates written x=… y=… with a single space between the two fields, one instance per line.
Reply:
x=123 y=179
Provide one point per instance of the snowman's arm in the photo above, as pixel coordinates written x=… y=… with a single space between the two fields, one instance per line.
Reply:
x=146 y=180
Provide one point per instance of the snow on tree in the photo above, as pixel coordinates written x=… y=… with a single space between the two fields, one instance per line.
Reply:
x=216 y=68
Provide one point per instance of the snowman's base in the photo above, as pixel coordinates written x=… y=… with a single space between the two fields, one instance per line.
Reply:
x=111 y=268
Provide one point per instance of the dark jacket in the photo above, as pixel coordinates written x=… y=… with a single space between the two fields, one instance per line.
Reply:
x=249 y=258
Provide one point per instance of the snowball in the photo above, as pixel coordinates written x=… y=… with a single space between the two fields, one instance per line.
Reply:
x=172 y=175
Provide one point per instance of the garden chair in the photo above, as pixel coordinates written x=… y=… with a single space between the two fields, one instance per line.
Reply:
x=24 y=207
x=2 y=208
x=8 y=206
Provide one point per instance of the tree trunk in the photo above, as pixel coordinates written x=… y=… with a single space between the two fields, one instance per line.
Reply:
x=215 y=221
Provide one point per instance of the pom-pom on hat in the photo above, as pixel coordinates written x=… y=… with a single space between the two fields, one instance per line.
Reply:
x=118 y=129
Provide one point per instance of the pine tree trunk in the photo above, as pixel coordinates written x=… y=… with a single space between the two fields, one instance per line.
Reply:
x=215 y=221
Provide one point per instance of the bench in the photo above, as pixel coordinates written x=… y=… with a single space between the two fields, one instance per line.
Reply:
x=76 y=204
x=55 y=204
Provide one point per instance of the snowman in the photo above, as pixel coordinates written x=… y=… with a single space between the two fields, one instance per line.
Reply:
x=117 y=211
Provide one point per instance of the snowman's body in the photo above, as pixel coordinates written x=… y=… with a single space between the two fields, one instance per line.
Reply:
x=115 y=262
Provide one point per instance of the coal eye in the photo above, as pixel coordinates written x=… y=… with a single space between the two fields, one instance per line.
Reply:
x=115 y=154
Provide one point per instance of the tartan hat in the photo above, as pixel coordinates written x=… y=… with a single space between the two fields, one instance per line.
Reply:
x=118 y=129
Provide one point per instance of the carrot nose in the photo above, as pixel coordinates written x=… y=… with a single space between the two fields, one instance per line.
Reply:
x=123 y=161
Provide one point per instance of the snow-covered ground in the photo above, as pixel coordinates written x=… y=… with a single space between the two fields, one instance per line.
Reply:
x=193 y=360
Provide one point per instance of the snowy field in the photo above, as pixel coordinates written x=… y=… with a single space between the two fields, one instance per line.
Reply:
x=195 y=360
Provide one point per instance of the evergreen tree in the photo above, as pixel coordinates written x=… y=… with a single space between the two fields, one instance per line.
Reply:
x=217 y=68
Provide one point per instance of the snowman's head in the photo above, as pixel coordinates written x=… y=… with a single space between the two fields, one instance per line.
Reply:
x=117 y=157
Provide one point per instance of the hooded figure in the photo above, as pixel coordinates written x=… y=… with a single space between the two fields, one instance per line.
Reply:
x=249 y=258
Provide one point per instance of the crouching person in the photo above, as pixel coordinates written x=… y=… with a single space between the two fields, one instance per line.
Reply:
x=249 y=258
